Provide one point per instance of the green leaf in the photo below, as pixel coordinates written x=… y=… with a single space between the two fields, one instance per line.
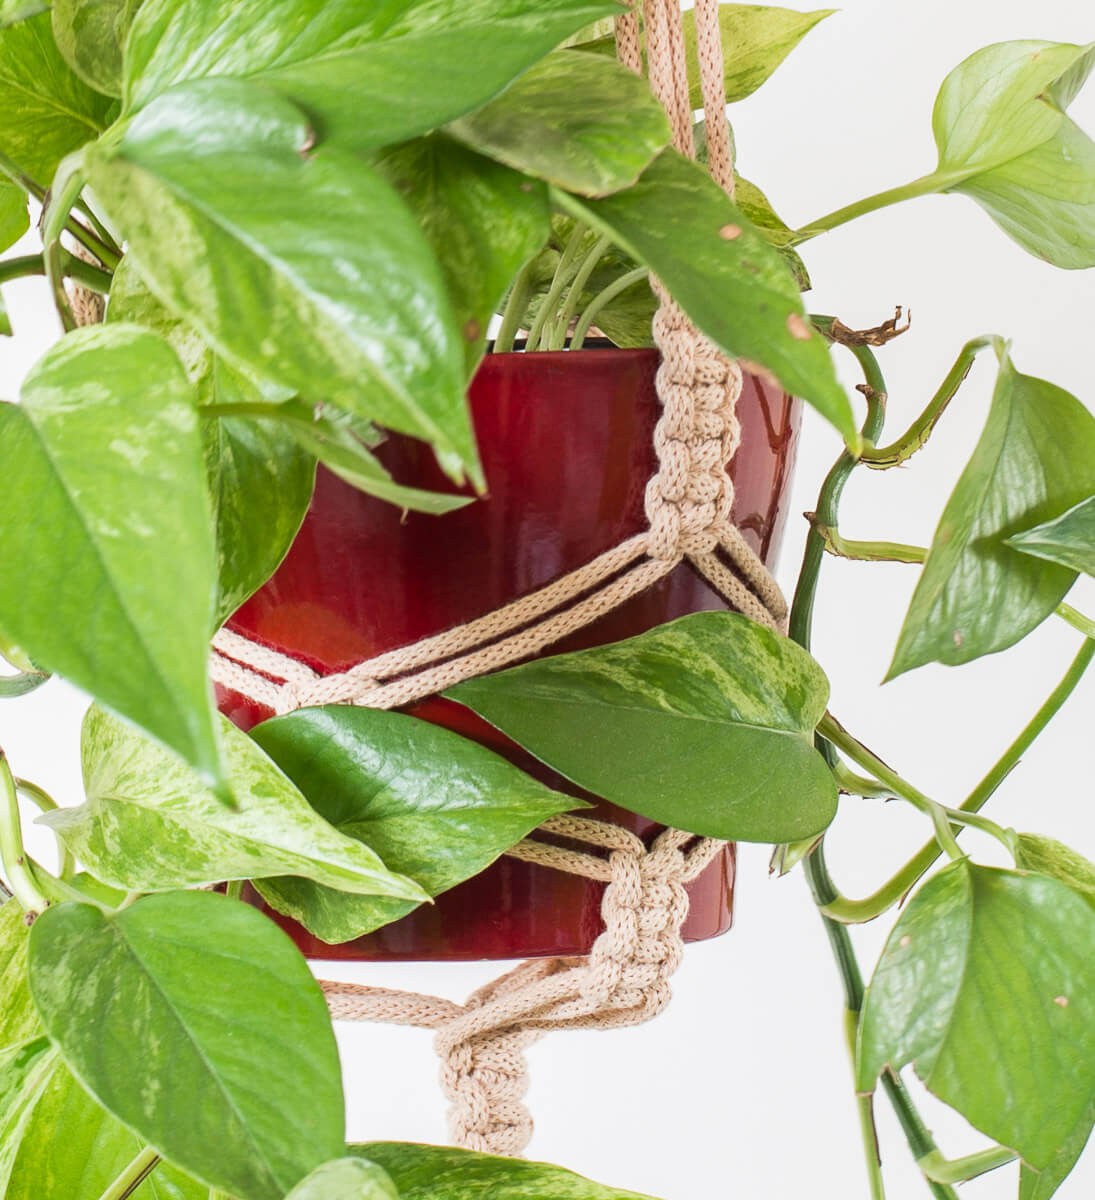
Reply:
x=676 y=221
x=987 y=986
x=758 y=208
x=148 y=824
x=1068 y=539
x=338 y=446
x=976 y=595
x=1046 y=856
x=39 y=1097
x=12 y=11
x=705 y=724
x=346 y=1179
x=583 y=123
x=1005 y=141
x=482 y=220
x=756 y=38
x=14 y=218
x=260 y=480
x=441 y=1173
x=195 y=1021
x=435 y=806
x=1040 y=1185
x=5 y=322
x=370 y=75
x=316 y=274
x=91 y=35
x=48 y=111
x=112 y=584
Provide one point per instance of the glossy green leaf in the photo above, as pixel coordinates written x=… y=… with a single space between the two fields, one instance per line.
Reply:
x=1005 y=141
x=678 y=222
x=758 y=208
x=48 y=111
x=148 y=824
x=14 y=218
x=482 y=220
x=1068 y=539
x=209 y=1005
x=39 y=1097
x=1041 y=1185
x=582 y=122
x=442 y=1173
x=435 y=806
x=91 y=35
x=19 y=10
x=370 y=75
x=5 y=321
x=987 y=986
x=705 y=724
x=313 y=272
x=976 y=595
x=112 y=584
x=260 y=479
x=346 y=1179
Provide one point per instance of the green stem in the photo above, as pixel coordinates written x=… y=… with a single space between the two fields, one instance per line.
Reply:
x=515 y=309
x=15 y=174
x=574 y=292
x=559 y=281
x=916 y=436
x=821 y=884
x=959 y=1170
x=1076 y=619
x=35 y=264
x=865 y=1107
x=13 y=857
x=44 y=802
x=854 y=912
x=842 y=547
x=832 y=730
x=601 y=301
x=22 y=267
x=1006 y=837
x=132 y=1176
x=924 y=186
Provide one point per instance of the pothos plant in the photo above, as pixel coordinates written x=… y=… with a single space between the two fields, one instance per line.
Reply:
x=304 y=216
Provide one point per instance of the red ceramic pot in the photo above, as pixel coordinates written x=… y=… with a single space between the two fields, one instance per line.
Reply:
x=566 y=441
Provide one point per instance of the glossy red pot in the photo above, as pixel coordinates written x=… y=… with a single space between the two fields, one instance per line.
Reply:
x=567 y=447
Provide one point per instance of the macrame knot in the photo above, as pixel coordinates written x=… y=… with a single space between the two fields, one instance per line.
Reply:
x=485 y=1079
x=688 y=501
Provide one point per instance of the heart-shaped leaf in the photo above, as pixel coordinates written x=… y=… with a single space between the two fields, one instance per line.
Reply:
x=195 y=1021
x=149 y=825
x=370 y=75
x=1047 y=856
x=435 y=806
x=582 y=122
x=112 y=584
x=976 y=595
x=1004 y=140
x=1068 y=539
x=442 y=1173
x=987 y=986
x=39 y=1097
x=91 y=35
x=705 y=724
x=309 y=266
x=678 y=222
x=483 y=221
x=48 y=111
x=346 y=1179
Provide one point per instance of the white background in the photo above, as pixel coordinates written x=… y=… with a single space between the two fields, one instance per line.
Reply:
x=743 y=1088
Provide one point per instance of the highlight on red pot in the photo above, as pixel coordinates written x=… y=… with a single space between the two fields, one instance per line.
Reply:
x=402 y=488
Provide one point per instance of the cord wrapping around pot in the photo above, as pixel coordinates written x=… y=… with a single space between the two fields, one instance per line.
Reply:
x=688 y=502
x=624 y=981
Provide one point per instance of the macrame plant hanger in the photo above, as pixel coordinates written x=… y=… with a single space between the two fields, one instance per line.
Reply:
x=624 y=980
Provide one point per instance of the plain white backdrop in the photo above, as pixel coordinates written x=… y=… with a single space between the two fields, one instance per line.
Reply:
x=743 y=1088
